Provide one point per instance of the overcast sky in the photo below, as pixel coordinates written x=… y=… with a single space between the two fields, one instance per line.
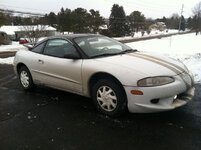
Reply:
x=150 y=8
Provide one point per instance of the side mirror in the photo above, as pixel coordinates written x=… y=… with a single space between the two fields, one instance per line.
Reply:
x=72 y=56
x=29 y=46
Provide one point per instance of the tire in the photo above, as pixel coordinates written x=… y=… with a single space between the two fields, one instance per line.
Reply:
x=109 y=97
x=25 y=79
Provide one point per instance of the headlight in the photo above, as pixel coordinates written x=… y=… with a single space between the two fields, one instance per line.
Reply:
x=155 y=81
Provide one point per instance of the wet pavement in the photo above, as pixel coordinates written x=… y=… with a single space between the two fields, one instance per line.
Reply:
x=50 y=119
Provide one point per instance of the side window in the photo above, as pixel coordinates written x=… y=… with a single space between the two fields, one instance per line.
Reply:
x=59 y=48
x=39 y=48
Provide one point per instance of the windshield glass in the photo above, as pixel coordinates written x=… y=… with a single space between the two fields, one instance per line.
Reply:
x=94 y=46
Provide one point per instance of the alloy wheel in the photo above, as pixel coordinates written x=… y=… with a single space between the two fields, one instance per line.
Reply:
x=107 y=98
x=24 y=78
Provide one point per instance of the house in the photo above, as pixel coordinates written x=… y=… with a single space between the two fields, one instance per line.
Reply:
x=17 y=32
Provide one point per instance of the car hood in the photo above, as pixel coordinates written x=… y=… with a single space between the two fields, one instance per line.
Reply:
x=146 y=64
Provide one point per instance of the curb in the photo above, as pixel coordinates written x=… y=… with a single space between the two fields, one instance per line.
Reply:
x=152 y=37
x=7 y=54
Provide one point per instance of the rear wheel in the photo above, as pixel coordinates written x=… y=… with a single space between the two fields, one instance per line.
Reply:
x=25 y=79
x=109 y=97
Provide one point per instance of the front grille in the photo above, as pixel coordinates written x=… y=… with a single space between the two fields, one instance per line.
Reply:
x=184 y=96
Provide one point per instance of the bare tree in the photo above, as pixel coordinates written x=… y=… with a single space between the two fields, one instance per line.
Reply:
x=34 y=32
x=197 y=13
x=197 y=9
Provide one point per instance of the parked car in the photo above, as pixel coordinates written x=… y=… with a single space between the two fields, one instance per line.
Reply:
x=30 y=45
x=4 y=39
x=115 y=76
x=23 y=41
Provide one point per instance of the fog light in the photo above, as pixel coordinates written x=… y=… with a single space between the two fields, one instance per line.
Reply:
x=136 y=92
x=154 y=101
x=175 y=97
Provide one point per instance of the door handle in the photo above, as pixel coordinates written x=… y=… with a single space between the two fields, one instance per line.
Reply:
x=40 y=61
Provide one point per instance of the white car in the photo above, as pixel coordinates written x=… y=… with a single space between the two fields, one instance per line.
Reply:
x=114 y=75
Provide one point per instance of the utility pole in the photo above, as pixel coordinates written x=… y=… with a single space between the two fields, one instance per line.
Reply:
x=182 y=10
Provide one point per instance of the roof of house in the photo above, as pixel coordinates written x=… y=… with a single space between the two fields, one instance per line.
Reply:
x=10 y=30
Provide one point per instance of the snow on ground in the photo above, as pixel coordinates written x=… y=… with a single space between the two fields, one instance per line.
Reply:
x=193 y=62
x=178 y=44
x=15 y=46
x=152 y=34
x=185 y=48
x=8 y=60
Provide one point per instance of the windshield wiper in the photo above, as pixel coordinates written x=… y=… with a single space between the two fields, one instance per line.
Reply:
x=112 y=54
x=128 y=51
x=104 y=54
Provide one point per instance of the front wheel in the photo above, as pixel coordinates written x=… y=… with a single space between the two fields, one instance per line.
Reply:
x=109 y=97
x=25 y=78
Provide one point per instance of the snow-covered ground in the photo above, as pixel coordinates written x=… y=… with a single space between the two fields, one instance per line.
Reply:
x=152 y=34
x=185 y=48
x=8 y=60
x=15 y=46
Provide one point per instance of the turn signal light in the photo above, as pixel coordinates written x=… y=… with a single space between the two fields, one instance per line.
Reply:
x=136 y=92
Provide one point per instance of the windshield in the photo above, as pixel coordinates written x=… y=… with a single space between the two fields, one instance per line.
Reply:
x=94 y=46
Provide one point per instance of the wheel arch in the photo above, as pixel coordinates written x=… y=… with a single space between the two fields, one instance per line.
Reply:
x=103 y=75
x=19 y=66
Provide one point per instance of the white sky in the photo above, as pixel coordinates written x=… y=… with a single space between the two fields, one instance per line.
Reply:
x=150 y=8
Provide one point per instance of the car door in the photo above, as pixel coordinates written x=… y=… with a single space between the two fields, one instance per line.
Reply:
x=57 y=71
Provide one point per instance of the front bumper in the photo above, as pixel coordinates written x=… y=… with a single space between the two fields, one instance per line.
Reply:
x=137 y=105
x=160 y=98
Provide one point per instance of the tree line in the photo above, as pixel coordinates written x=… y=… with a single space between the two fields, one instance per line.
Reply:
x=119 y=24
x=78 y=20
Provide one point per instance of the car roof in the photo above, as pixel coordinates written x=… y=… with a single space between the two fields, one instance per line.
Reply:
x=68 y=36
x=72 y=36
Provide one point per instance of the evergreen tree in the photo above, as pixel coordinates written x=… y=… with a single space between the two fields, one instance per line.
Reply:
x=61 y=20
x=189 y=23
x=95 y=20
x=64 y=19
x=183 y=23
x=27 y=21
x=137 y=21
x=2 y=19
x=173 y=22
x=79 y=20
x=52 y=19
x=117 y=21
x=17 y=20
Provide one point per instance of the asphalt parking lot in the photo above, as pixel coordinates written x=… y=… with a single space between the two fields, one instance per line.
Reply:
x=50 y=119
